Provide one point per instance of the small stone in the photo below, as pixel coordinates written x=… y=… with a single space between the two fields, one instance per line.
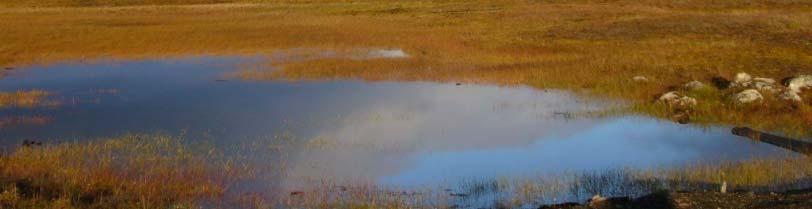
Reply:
x=742 y=78
x=799 y=83
x=674 y=98
x=791 y=96
x=765 y=84
x=723 y=188
x=640 y=78
x=694 y=85
x=764 y=80
x=597 y=199
x=748 y=96
x=669 y=96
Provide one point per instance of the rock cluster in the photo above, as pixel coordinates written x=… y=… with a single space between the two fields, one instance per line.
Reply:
x=798 y=83
x=744 y=80
x=755 y=86
x=676 y=99
x=751 y=90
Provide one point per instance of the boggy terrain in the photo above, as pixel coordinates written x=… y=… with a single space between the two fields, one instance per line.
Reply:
x=593 y=47
x=635 y=51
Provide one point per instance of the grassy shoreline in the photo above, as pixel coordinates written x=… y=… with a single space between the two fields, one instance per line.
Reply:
x=159 y=171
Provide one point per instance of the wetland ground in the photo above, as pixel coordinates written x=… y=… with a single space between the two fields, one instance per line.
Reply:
x=268 y=104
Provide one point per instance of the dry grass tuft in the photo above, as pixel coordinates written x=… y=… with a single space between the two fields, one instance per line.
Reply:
x=135 y=171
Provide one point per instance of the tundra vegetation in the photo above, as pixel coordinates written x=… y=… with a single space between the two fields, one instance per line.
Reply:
x=593 y=47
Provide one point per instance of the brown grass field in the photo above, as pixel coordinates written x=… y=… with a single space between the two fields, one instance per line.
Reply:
x=590 y=47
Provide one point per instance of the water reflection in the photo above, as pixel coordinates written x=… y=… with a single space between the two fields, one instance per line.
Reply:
x=389 y=133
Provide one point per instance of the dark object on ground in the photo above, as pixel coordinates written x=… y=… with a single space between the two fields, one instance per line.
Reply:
x=31 y=143
x=659 y=200
x=783 y=142
x=459 y=195
x=720 y=82
x=295 y=193
x=795 y=199
x=561 y=205
x=459 y=84
x=8 y=68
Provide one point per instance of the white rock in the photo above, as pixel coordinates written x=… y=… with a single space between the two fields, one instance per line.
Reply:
x=790 y=95
x=694 y=85
x=748 y=96
x=764 y=84
x=742 y=78
x=669 y=96
x=764 y=80
x=640 y=78
x=387 y=53
x=674 y=98
x=799 y=83
x=597 y=199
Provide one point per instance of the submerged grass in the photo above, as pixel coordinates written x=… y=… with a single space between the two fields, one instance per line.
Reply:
x=22 y=98
x=11 y=121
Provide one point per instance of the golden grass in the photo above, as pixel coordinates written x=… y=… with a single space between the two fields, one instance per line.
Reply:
x=134 y=171
x=22 y=98
x=589 y=46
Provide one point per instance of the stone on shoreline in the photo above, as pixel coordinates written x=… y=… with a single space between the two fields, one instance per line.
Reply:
x=765 y=84
x=791 y=96
x=799 y=83
x=748 y=96
x=694 y=85
x=674 y=98
x=742 y=79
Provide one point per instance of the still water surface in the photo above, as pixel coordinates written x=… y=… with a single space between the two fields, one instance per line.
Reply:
x=402 y=134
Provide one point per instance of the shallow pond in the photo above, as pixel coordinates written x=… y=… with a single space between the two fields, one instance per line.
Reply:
x=399 y=134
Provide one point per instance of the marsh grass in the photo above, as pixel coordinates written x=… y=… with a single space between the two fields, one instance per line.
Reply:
x=133 y=171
